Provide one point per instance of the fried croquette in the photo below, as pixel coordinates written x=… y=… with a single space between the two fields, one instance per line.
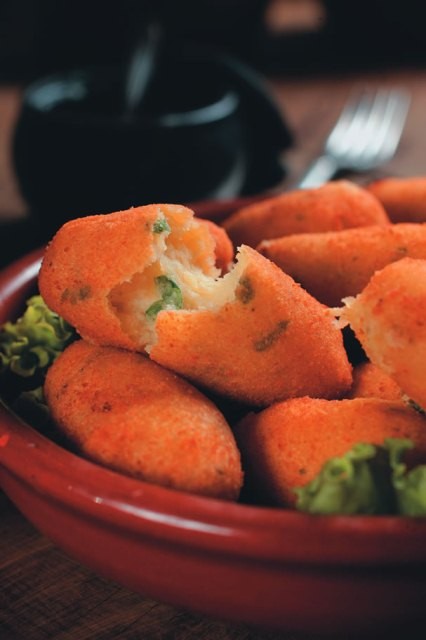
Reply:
x=370 y=381
x=95 y=266
x=333 y=206
x=131 y=415
x=337 y=264
x=253 y=335
x=404 y=199
x=267 y=340
x=286 y=445
x=388 y=318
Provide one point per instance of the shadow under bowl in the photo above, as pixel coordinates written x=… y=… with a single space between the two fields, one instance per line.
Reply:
x=270 y=567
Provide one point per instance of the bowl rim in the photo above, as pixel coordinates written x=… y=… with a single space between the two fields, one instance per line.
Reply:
x=267 y=534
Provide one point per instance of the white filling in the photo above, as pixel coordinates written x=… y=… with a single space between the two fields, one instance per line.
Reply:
x=201 y=285
x=342 y=314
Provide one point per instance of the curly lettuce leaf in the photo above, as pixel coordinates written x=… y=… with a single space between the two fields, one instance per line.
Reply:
x=409 y=485
x=358 y=482
x=368 y=479
x=30 y=345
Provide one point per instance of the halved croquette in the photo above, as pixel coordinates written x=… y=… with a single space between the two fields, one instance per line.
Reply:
x=267 y=339
x=388 y=318
x=95 y=266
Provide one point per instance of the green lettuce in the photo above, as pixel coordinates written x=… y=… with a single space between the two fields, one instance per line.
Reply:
x=30 y=345
x=368 y=479
x=409 y=485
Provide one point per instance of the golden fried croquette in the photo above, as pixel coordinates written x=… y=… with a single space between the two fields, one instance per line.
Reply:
x=253 y=334
x=388 y=318
x=337 y=264
x=224 y=249
x=333 y=206
x=404 y=199
x=131 y=415
x=266 y=340
x=95 y=266
x=370 y=381
x=286 y=445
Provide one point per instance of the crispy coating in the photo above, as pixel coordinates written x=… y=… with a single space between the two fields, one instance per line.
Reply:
x=133 y=416
x=286 y=445
x=369 y=381
x=388 y=318
x=224 y=249
x=337 y=264
x=90 y=258
x=333 y=206
x=270 y=341
x=404 y=199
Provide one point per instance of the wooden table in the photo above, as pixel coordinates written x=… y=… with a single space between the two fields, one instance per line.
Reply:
x=43 y=593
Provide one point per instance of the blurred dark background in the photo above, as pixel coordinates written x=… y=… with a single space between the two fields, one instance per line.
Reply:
x=291 y=36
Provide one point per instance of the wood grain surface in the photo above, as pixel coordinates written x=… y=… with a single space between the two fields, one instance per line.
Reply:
x=43 y=593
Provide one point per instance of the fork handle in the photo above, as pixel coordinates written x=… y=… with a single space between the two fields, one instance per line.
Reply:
x=320 y=171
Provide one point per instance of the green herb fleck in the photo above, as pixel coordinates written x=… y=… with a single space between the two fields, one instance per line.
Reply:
x=267 y=341
x=161 y=225
x=171 y=297
x=401 y=251
x=244 y=291
x=75 y=296
x=414 y=405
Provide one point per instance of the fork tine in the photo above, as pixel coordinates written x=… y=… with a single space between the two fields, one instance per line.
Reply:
x=353 y=109
x=365 y=135
x=375 y=129
x=374 y=118
x=368 y=128
x=367 y=110
x=393 y=123
x=381 y=135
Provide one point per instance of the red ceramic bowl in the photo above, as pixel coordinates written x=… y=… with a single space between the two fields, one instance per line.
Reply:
x=269 y=567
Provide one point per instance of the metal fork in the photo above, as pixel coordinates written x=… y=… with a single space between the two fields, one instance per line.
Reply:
x=365 y=136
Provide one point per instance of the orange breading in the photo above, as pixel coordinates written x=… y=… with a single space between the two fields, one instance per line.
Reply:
x=388 y=318
x=90 y=258
x=271 y=340
x=333 y=206
x=131 y=415
x=337 y=264
x=286 y=445
x=370 y=381
x=224 y=249
x=404 y=199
